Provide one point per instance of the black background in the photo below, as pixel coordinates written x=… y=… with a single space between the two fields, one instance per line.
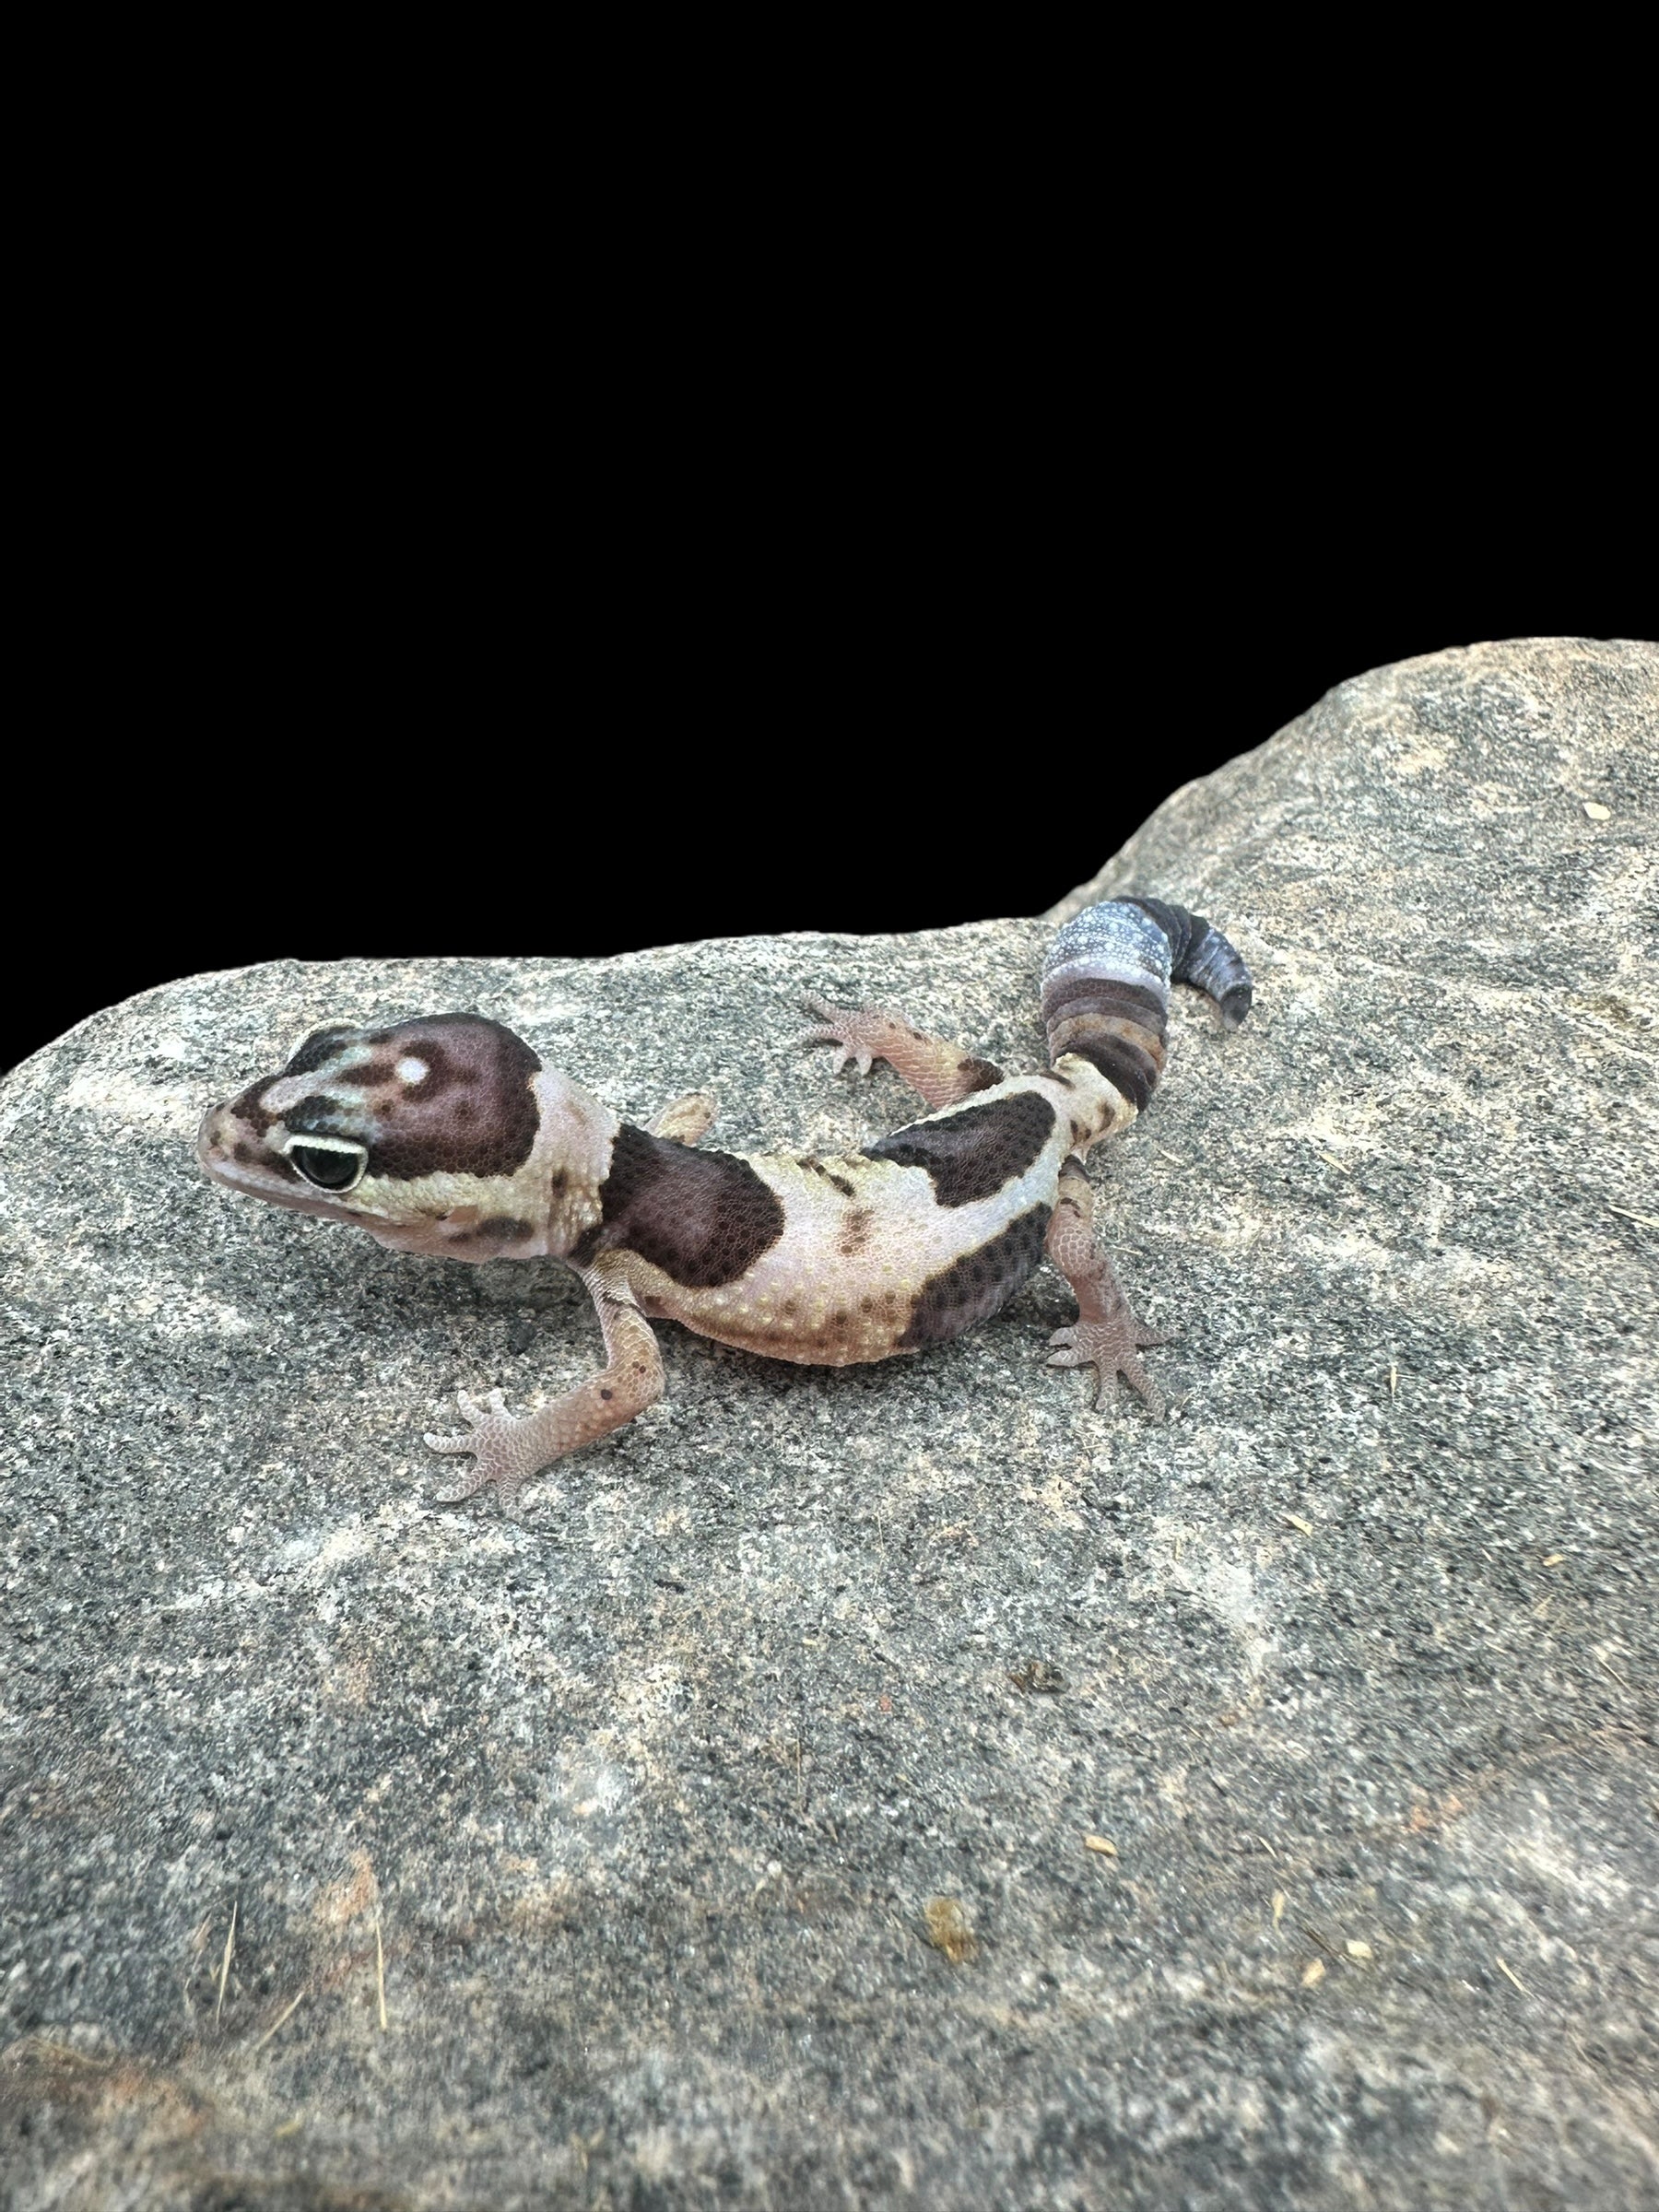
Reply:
x=351 y=647
x=365 y=788
x=502 y=553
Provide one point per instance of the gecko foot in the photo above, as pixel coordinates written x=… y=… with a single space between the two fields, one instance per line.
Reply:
x=505 y=1453
x=858 y=1035
x=1111 y=1347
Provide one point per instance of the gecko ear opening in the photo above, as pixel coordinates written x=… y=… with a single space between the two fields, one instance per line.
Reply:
x=332 y=1163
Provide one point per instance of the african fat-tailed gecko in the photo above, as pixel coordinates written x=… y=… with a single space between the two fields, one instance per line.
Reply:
x=446 y=1135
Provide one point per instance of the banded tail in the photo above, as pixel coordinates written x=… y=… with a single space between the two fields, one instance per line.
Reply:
x=1106 y=986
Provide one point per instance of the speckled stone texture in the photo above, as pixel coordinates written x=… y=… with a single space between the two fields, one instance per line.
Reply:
x=647 y=1803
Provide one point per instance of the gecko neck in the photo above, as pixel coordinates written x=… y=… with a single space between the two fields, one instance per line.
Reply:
x=574 y=1149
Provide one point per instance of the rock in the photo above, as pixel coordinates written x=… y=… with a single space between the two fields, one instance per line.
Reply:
x=636 y=1810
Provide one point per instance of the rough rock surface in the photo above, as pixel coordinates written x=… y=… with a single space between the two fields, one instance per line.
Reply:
x=640 y=1809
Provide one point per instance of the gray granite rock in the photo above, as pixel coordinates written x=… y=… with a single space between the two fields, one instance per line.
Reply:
x=640 y=1811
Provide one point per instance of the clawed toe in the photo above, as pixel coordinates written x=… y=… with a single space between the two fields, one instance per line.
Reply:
x=477 y=1415
x=1070 y=1353
x=829 y=1023
x=1112 y=1348
x=840 y=1027
x=450 y=1446
x=490 y=1436
x=474 y=1482
x=844 y=1052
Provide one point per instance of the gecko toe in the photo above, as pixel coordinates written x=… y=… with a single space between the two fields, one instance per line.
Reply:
x=1139 y=1381
x=1111 y=1347
x=853 y=1034
x=469 y=1488
x=495 y=1437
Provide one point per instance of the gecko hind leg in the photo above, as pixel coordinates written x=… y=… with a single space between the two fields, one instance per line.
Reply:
x=942 y=1073
x=1106 y=1336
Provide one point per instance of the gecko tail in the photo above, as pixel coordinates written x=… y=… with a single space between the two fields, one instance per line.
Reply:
x=1200 y=955
x=1106 y=986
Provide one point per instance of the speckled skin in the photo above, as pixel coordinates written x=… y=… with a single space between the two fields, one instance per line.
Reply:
x=446 y=1136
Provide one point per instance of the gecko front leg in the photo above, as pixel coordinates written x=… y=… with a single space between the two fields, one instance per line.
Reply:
x=510 y=1448
x=943 y=1073
x=1105 y=1335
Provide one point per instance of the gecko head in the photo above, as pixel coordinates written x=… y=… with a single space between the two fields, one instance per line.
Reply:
x=424 y=1133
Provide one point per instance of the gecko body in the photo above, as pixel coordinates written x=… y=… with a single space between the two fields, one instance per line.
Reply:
x=445 y=1135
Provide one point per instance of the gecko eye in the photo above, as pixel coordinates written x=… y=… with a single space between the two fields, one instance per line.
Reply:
x=331 y=1162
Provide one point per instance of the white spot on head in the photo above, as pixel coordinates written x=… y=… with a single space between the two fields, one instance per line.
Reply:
x=410 y=1070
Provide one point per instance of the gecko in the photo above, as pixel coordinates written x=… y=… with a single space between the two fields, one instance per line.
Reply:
x=446 y=1135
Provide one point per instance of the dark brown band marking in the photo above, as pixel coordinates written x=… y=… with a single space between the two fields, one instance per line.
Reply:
x=472 y=1113
x=979 y=1284
x=974 y=1153
x=247 y=1108
x=320 y=1048
x=1122 y=1065
x=817 y=1167
x=316 y=1116
x=703 y=1217
x=1098 y=995
x=978 y=1074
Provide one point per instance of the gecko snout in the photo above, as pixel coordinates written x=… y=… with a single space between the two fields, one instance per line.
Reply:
x=214 y=1134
